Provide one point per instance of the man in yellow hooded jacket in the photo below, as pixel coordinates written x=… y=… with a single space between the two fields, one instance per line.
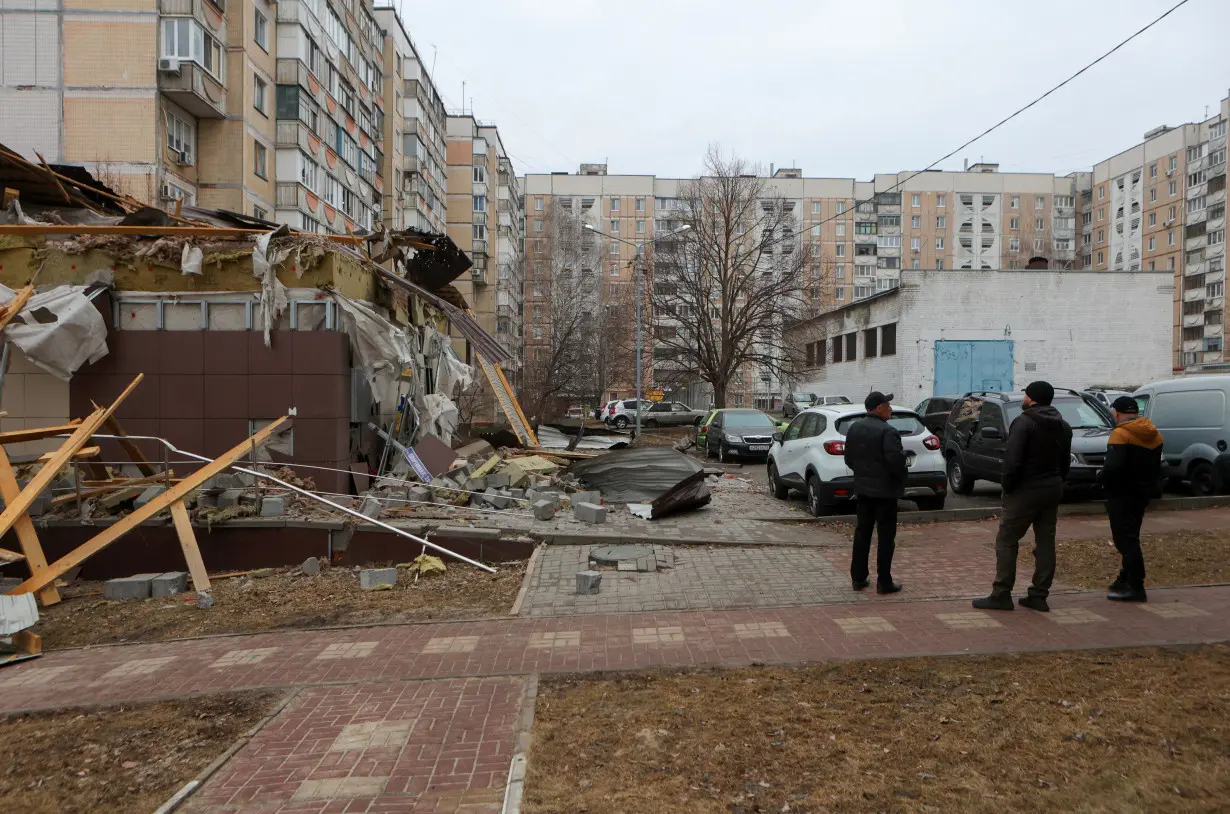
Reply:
x=1130 y=477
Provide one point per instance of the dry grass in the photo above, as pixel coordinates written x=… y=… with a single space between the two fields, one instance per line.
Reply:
x=285 y=600
x=1115 y=731
x=124 y=758
x=1172 y=558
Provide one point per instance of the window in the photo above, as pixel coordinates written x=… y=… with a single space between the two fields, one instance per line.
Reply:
x=864 y=228
x=815 y=207
x=1153 y=171
x=1217 y=157
x=1152 y=244
x=1215 y=289
x=1014 y=224
x=916 y=222
x=480 y=203
x=259 y=213
x=259 y=92
x=1038 y=244
x=915 y=200
x=1196 y=178
x=1152 y=194
x=1015 y=202
x=869 y=343
x=640 y=227
x=181 y=137
x=1196 y=204
x=1039 y=224
x=841 y=294
x=184 y=38
x=941 y=200
x=941 y=222
x=841 y=250
x=260 y=160
x=1039 y=202
x=1195 y=153
x=888 y=340
x=260 y=30
x=613 y=249
x=916 y=244
x=1217 y=236
x=851 y=347
x=1174 y=213
x=1014 y=244
x=1174 y=188
x=939 y=244
x=538 y=225
x=1217 y=131
x=614 y=204
x=1101 y=258
x=841 y=229
x=1170 y=238
x=1101 y=193
x=309 y=173
x=841 y=207
x=538 y=206
x=640 y=204
x=479 y=175
x=614 y=227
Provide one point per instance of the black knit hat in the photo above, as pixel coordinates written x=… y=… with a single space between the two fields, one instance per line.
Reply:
x=1041 y=392
x=1125 y=404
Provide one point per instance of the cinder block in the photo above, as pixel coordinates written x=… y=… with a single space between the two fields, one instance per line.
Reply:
x=169 y=584
x=588 y=582
x=517 y=494
x=500 y=480
x=544 y=510
x=377 y=578
x=228 y=498
x=418 y=494
x=371 y=508
x=206 y=501
x=594 y=497
x=138 y=586
x=273 y=506
x=496 y=499
x=476 y=484
x=589 y=513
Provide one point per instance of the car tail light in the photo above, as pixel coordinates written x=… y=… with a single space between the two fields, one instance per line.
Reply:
x=704 y=429
x=931 y=442
x=835 y=447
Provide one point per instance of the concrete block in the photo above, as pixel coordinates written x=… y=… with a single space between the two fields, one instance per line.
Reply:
x=594 y=497
x=418 y=494
x=169 y=584
x=516 y=494
x=544 y=510
x=476 y=484
x=17 y=613
x=500 y=480
x=464 y=533
x=475 y=449
x=588 y=582
x=377 y=578
x=370 y=508
x=626 y=565
x=311 y=566
x=206 y=501
x=496 y=499
x=247 y=498
x=273 y=506
x=228 y=498
x=589 y=513
x=138 y=586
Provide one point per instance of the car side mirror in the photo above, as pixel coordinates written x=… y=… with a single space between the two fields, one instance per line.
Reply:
x=777 y=436
x=991 y=432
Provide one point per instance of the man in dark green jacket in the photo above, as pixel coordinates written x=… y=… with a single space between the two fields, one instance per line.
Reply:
x=1130 y=478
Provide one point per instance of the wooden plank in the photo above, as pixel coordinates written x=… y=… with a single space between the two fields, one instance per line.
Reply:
x=140 y=515
x=28 y=642
x=24 y=528
x=130 y=449
x=13 y=307
x=42 y=479
x=187 y=541
x=151 y=480
x=84 y=452
x=499 y=371
x=7 y=556
x=38 y=433
x=214 y=232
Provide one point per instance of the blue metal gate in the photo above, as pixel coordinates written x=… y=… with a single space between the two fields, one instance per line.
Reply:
x=962 y=366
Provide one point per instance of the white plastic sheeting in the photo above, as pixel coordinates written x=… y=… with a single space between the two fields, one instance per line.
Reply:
x=382 y=349
x=59 y=329
x=264 y=268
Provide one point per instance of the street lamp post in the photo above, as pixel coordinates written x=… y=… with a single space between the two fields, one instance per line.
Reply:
x=636 y=287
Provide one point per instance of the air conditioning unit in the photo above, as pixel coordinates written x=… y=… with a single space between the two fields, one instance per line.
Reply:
x=168 y=65
x=168 y=193
x=181 y=158
x=1168 y=222
x=1169 y=173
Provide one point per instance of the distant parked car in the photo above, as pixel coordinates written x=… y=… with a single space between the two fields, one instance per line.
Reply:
x=622 y=413
x=797 y=401
x=739 y=433
x=1193 y=417
x=810 y=457
x=934 y=413
x=671 y=414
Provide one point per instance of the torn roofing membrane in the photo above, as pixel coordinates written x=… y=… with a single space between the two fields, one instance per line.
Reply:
x=636 y=475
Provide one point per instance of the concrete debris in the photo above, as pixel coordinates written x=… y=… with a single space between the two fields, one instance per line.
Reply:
x=589 y=513
x=371 y=508
x=229 y=497
x=544 y=510
x=169 y=584
x=310 y=567
x=138 y=586
x=273 y=506
x=588 y=582
x=260 y=573
x=376 y=579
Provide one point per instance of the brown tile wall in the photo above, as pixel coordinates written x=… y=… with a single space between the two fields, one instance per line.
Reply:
x=202 y=387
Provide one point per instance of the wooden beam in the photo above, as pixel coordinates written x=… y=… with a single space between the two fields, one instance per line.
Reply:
x=19 y=505
x=151 y=480
x=130 y=449
x=214 y=232
x=84 y=452
x=23 y=526
x=13 y=307
x=187 y=541
x=38 y=433
x=499 y=371
x=138 y=516
x=7 y=557
x=31 y=643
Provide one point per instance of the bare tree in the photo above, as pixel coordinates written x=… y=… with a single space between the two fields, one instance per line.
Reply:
x=725 y=288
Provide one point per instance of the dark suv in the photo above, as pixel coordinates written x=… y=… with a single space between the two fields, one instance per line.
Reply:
x=976 y=437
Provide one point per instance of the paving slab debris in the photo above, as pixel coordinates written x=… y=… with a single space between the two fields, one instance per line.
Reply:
x=589 y=582
x=544 y=510
x=589 y=513
x=138 y=586
x=374 y=579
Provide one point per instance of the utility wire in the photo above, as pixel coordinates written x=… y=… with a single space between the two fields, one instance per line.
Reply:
x=1011 y=116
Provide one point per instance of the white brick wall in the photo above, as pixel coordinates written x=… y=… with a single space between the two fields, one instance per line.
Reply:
x=30 y=120
x=1076 y=328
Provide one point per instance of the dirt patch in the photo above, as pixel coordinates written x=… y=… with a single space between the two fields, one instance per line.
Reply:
x=123 y=758
x=1171 y=558
x=285 y=599
x=1109 y=731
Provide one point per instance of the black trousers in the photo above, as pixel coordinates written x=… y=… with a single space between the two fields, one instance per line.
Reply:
x=1031 y=506
x=880 y=514
x=1126 y=513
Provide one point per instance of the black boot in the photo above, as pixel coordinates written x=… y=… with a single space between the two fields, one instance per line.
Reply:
x=994 y=602
x=859 y=584
x=1127 y=594
x=1037 y=603
x=888 y=587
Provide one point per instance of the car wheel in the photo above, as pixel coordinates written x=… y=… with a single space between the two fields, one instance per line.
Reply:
x=780 y=490
x=958 y=480
x=723 y=452
x=1205 y=482
x=652 y=424
x=621 y=422
x=930 y=504
x=815 y=499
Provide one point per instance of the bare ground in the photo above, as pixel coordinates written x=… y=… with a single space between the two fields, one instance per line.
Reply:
x=1142 y=730
x=122 y=758
x=286 y=599
x=1172 y=558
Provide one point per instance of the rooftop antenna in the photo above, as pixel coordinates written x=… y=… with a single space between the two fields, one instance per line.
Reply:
x=463 y=97
x=434 y=53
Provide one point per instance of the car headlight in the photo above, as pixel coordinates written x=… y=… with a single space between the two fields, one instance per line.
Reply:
x=1075 y=458
x=734 y=439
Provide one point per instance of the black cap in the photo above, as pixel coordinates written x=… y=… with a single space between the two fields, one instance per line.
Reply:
x=1125 y=404
x=1041 y=392
x=875 y=398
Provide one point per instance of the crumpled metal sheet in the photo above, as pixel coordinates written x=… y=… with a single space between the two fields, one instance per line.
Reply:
x=667 y=479
x=59 y=329
x=265 y=261
x=382 y=349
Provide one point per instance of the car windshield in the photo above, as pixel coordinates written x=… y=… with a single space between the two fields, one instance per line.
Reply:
x=1080 y=414
x=747 y=421
x=903 y=423
x=803 y=398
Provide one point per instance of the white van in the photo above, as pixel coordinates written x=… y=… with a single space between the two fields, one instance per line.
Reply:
x=1192 y=415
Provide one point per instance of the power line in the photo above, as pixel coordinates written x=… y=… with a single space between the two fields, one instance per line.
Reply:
x=1012 y=115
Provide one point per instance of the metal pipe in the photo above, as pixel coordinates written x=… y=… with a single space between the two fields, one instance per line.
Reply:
x=312 y=496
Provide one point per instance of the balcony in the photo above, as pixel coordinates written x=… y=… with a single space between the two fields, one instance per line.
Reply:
x=478 y=275
x=1192 y=269
x=1213 y=329
x=1214 y=303
x=1193 y=294
x=411 y=163
x=191 y=87
x=1192 y=320
x=480 y=248
x=1211 y=357
x=1193 y=345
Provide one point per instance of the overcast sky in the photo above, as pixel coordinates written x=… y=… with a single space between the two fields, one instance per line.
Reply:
x=843 y=89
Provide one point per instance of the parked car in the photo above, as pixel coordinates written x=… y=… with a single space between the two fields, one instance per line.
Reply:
x=795 y=402
x=810 y=457
x=934 y=413
x=738 y=433
x=1192 y=416
x=1105 y=396
x=621 y=414
x=671 y=414
x=976 y=437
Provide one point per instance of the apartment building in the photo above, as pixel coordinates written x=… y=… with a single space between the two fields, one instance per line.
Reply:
x=415 y=125
x=490 y=227
x=167 y=100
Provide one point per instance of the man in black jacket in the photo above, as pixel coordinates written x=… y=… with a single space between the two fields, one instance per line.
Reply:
x=1130 y=476
x=877 y=459
x=1036 y=463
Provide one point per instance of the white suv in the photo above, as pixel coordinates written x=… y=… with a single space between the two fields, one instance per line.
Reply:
x=810 y=457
